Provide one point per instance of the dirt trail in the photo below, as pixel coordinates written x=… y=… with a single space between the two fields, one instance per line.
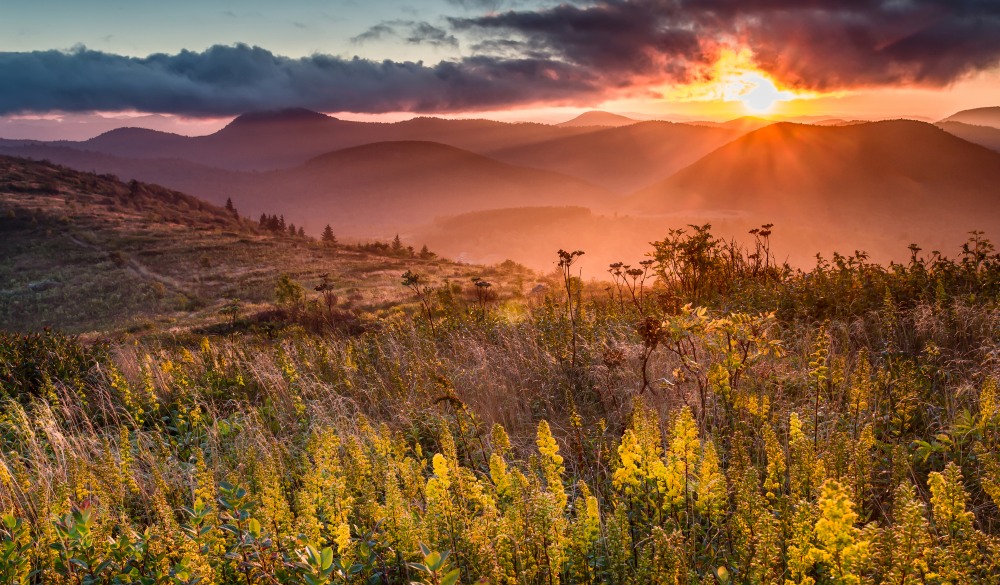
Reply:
x=139 y=268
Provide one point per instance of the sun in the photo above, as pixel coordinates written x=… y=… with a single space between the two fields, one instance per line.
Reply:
x=754 y=90
x=736 y=81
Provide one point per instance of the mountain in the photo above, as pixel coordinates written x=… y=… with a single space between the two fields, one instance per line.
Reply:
x=135 y=142
x=387 y=186
x=261 y=141
x=254 y=141
x=364 y=191
x=85 y=252
x=597 y=118
x=879 y=182
x=622 y=159
x=977 y=117
x=982 y=135
x=741 y=125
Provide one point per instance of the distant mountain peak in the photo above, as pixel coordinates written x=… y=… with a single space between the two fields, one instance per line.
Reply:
x=129 y=135
x=598 y=118
x=286 y=115
x=989 y=116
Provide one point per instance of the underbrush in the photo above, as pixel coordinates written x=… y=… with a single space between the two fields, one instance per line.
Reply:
x=737 y=422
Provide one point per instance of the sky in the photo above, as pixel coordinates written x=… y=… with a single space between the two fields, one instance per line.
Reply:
x=73 y=69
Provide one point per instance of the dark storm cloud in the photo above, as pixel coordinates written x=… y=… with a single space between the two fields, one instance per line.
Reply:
x=639 y=37
x=815 y=43
x=569 y=53
x=226 y=80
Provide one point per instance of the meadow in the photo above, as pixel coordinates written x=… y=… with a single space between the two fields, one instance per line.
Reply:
x=706 y=416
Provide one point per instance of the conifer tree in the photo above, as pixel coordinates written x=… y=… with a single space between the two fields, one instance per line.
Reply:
x=328 y=237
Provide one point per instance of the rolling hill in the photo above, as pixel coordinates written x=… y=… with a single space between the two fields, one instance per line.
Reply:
x=597 y=118
x=374 y=190
x=260 y=141
x=742 y=125
x=87 y=252
x=622 y=159
x=384 y=187
x=981 y=135
x=977 y=117
x=897 y=180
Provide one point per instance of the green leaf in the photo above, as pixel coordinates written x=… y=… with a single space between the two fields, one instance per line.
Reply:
x=326 y=559
x=253 y=527
x=451 y=577
x=434 y=561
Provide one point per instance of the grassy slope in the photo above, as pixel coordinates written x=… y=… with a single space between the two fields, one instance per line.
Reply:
x=81 y=253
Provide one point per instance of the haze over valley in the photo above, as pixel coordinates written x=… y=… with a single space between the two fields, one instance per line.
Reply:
x=486 y=191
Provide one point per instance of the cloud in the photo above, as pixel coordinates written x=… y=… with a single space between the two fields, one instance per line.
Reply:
x=229 y=80
x=423 y=33
x=816 y=44
x=571 y=53
x=413 y=32
x=375 y=33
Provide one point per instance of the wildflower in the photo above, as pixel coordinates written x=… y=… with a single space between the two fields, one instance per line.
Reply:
x=552 y=464
x=840 y=546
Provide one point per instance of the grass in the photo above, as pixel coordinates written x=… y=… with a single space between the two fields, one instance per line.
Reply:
x=735 y=422
x=85 y=254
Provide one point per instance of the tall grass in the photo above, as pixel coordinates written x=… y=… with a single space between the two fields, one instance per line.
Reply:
x=832 y=426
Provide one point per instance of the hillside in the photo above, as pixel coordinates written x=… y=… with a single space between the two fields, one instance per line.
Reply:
x=272 y=140
x=981 y=135
x=384 y=187
x=623 y=159
x=742 y=125
x=901 y=179
x=597 y=118
x=209 y=183
x=977 y=117
x=86 y=252
x=374 y=190
x=253 y=141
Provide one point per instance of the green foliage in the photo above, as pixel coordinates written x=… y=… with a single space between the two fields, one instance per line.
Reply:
x=30 y=364
x=727 y=442
x=288 y=294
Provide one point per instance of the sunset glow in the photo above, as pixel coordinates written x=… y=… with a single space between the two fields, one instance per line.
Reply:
x=755 y=91
x=456 y=292
x=735 y=86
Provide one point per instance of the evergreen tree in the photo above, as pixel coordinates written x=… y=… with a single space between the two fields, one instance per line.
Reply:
x=291 y=230
x=397 y=244
x=281 y=223
x=263 y=221
x=229 y=206
x=302 y=232
x=328 y=237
